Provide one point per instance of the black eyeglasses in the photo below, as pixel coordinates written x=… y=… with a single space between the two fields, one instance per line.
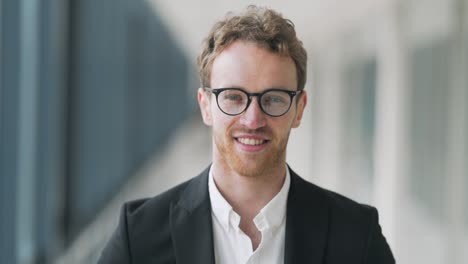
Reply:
x=234 y=101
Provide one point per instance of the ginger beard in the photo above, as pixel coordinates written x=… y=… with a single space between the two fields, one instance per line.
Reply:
x=251 y=164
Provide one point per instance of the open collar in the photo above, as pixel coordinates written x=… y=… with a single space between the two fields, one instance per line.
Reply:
x=271 y=216
x=306 y=223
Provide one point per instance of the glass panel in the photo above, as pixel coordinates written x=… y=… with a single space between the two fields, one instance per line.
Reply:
x=466 y=127
x=428 y=127
x=359 y=113
x=466 y=141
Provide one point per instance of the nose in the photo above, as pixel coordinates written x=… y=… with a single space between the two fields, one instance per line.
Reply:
x=253 y=117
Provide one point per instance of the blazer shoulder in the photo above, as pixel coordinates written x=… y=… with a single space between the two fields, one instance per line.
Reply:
x=156 y=206
x=353 y=228
x=143 y=234
x=336 y=202
x=345 y=206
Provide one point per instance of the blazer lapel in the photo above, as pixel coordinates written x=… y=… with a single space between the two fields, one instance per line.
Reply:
x=191 y=225
x=306 y=223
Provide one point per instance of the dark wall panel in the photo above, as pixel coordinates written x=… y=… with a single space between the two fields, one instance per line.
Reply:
x=9 y=113
x=127 y=94
x=53 y=70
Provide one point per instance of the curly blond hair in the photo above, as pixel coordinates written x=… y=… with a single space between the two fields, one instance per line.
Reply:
x=260 y=25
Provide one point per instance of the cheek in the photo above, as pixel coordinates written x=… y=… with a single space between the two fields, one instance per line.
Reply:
x=282 y=127
x=221 y=121
x=218 y=116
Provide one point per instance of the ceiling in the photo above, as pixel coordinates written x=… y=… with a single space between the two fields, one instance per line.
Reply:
x=316 y=20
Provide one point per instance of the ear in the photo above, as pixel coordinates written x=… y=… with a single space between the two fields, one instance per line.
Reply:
x=300 y=108
x=204 y=102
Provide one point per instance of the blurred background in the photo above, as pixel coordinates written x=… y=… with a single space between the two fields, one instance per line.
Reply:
x=98 y=106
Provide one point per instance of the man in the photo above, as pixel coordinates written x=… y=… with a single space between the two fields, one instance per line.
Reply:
x=248 y=206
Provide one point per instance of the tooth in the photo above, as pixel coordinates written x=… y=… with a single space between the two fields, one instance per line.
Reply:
x=250 y=141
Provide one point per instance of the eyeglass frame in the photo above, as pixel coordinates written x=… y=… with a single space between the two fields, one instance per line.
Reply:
x=217 y=91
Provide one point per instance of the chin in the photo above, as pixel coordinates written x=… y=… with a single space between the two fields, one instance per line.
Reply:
x=247 y=170
x=253 y=166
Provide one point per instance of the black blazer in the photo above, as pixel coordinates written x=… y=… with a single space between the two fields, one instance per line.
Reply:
x=175 y=227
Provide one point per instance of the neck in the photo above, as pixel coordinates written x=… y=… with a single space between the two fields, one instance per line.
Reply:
x=248 y=194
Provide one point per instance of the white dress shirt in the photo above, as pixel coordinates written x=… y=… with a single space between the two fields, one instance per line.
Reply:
x=232 y=245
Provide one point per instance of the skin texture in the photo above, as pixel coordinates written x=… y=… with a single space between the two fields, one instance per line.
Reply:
x=250 y=176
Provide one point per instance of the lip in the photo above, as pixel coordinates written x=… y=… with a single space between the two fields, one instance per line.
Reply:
x=251 y=148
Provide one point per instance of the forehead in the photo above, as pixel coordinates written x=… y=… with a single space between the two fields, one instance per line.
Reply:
x=250 y=66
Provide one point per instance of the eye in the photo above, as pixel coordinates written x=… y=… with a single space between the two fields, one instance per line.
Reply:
x=272 y=99
x=277 y=99
x=233 y=97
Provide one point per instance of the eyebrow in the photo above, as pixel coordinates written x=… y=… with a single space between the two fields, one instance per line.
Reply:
x=245 y=89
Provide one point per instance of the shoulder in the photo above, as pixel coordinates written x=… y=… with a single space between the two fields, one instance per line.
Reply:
x=353 y=228
x=346 y=208
x=355 y=232
x=146 y=223
x=156 y=209
x=336 y=203
x=346 y=218
x=143 y=232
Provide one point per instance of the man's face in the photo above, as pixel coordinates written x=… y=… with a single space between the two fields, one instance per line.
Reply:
x=251 y=143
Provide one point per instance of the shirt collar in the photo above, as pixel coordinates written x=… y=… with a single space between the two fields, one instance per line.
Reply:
x=219 y=206
x=274 y=212
x=270 y=216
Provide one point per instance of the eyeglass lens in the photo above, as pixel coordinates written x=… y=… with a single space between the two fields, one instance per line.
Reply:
x=234 y=102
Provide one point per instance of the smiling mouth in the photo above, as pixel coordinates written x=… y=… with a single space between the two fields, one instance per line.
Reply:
x=251 y=141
